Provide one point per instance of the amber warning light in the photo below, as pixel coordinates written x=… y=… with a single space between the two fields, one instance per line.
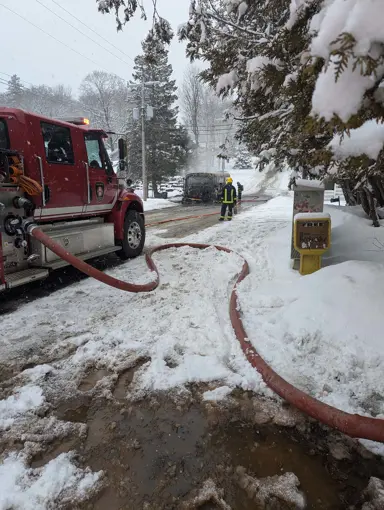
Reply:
x=78 y=121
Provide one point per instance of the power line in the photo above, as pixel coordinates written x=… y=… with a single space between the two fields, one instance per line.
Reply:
x=55 y=38
x=82 y=33
x=92 y=30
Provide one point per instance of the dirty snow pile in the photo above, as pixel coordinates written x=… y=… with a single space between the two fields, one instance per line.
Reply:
x=59 y=481
x=21 y=402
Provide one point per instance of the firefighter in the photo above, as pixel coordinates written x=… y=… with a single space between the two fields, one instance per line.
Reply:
x=240 y=189
x=228 y=199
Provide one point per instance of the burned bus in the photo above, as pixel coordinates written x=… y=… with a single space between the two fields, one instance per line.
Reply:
x=203 y=187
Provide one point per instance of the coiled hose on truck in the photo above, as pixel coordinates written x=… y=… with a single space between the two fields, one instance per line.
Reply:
x=353 y=425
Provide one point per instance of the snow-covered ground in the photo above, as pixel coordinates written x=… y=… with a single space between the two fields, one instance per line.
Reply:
x=154 y=203
x=321 y=332
x=43 y=488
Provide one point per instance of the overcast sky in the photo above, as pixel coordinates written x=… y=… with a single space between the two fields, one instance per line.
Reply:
x=39 y=59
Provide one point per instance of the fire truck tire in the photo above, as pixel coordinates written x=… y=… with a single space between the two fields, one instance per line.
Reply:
x=134 y=236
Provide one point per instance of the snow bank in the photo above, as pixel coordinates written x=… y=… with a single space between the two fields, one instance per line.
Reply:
x=367 y=139
x=323 y=332
x=155 y=203
x=59 y=481
x=353 y=237
x=24 y=400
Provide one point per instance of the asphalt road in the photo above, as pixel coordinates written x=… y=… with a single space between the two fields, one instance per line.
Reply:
x=191 y=226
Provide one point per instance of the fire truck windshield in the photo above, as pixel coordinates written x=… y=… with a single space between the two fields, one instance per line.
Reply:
x=4 y=141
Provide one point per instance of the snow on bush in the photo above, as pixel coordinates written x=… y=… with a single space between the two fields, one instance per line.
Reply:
x=59 y=481
x=367 y=139
x=243 y=7
x=255 y=65
x=294 y=10
x=232 y=5
x=24 y=400
x=342 y=97
x=226 y=81
x=363 y=20
x=292 y=77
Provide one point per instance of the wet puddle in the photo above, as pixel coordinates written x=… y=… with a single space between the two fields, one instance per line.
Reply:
x=155 y=455
x=90 y=381
x=125 y=379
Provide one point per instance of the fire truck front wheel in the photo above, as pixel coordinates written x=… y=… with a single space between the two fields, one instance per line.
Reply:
x=134 y=236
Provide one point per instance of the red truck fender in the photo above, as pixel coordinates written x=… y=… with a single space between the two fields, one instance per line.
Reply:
x=126 y=201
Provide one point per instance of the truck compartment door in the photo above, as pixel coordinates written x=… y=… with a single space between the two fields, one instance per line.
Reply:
x=63 y=171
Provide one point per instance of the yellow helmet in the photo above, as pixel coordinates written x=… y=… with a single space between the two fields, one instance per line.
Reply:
x=229 y=180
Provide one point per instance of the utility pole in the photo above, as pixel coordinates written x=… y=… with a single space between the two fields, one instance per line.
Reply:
x=143 y=145
x=146 y=112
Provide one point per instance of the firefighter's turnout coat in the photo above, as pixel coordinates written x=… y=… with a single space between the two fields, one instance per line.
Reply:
x=228 y=195
x=228 y=199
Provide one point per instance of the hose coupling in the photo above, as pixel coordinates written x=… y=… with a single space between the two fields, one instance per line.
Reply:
x=29 y=225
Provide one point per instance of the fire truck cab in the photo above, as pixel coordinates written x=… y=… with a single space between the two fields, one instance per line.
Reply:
x=75 y=197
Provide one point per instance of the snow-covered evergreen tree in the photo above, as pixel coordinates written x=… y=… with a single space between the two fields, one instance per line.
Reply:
x=167 y=143
x=15 y=92
x=307 y=74
x=243 y=158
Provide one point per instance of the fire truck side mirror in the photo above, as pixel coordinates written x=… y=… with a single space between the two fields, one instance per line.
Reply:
x=122 y=149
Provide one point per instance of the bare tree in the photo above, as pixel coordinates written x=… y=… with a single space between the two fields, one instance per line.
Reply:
x=191 y=99
x=104 y=95
x=53 y=102
x=204 y=114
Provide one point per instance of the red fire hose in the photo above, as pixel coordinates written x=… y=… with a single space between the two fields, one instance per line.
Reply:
x=353 y=425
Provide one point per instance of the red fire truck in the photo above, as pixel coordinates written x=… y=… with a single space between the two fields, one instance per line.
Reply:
x=58 y=174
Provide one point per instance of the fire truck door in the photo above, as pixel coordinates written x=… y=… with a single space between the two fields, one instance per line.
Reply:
x=61 y=171
x=102 y=179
